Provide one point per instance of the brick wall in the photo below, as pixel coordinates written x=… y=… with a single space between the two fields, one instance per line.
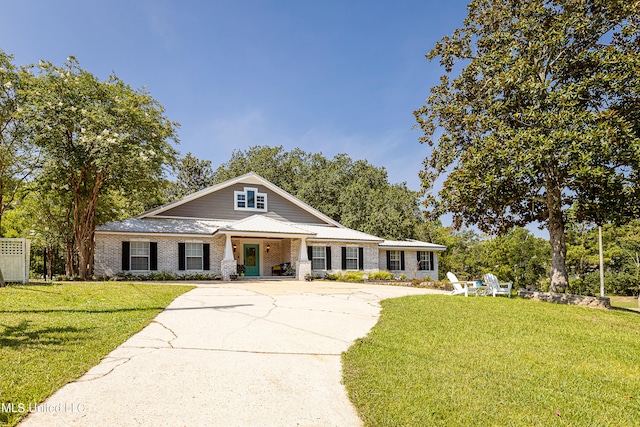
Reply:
x=411 y=265
x=370 y=252
x=108 y=254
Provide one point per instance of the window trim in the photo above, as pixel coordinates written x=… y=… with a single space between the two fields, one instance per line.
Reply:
x=242 y=197
x=138 y=256
x=357 y=258
x=187 y=256
x=426 y=263
x=395 y=253
x=315 y=257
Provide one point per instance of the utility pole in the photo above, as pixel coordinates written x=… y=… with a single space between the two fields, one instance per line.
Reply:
x=601 y=261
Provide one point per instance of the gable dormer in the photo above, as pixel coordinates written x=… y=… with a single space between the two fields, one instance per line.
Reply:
x=250 y=199
x=240 y=198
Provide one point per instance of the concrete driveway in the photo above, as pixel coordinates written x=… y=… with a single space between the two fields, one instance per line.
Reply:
x=230 y=354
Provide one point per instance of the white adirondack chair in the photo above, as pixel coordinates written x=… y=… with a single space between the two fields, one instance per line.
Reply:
x=495 y=287
x=460 y=288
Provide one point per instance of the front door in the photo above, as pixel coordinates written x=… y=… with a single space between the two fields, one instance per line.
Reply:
x=252 y=260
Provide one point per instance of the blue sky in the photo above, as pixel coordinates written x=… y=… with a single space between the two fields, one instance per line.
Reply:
x=326 y=76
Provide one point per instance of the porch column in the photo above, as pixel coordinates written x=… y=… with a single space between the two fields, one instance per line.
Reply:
x=302 y=256
x=228 y=249
x=304 y=265
x=228 y=266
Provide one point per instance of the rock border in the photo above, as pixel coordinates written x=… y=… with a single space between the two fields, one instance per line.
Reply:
x=570 y=299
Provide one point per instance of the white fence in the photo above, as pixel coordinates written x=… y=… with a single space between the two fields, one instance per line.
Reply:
x=14 y=259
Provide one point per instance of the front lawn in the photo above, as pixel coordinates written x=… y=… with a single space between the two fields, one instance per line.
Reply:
x=455 y=361
x=52 y=334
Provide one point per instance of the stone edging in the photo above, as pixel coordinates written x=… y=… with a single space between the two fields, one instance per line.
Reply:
x=581 y=300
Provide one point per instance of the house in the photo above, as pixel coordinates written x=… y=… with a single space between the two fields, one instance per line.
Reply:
x=251 y=222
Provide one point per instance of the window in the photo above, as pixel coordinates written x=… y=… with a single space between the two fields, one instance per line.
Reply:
x=394 y=260
x=140 y=256
x=318 y=259
x=352 y=258
x=425 y=260
x=241 y=200
x=193 y=253
x=250 y=199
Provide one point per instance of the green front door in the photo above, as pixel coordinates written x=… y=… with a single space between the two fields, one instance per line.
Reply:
x=252 y=260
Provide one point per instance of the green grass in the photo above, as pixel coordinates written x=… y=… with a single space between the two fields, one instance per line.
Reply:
x=624 y=302
x=52 y=334
x=455 y=361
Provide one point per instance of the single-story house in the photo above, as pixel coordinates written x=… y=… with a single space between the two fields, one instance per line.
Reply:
x=249 y=221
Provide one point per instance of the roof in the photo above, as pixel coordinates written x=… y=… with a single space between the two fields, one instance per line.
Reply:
x=163 y=226
x=322 y=232
x=411 y=244
x=264 y=225
x=254 y=225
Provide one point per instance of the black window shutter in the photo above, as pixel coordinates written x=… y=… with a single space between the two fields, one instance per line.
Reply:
x=310 y=253
x=419 y=264
x=328 y=257
x=360 y=258
x=388 y=260
x=344 y=258
x=402 y=260
x=206 y=251
x=431 y=267
x=126 y=246
x=153 y=256
x=181 y=256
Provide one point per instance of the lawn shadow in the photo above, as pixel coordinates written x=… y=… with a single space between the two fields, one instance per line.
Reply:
x=83 y=310
x=23 y=335
x=628 y=310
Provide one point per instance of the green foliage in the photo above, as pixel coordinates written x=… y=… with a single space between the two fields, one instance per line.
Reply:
x=454 y=361
x=18 y=156
x=354 y=193
x=542 y=116
x=162 y=276
x=351 y=276
x=621 y=258
x=53 y=334
x=100 y=141
x=516 y=257
x=192 y=175
x=381 y=275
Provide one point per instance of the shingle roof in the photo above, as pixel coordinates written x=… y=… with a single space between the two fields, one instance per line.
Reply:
x=163 y=225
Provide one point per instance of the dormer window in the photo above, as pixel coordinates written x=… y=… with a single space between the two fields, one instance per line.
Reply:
x=250 y=200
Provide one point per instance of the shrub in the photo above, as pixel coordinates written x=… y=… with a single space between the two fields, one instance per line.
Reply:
x=351 y=276
x=381 y=275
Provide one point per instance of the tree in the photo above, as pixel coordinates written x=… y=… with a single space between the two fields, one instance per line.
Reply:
x=18 y=158
x=96 y=136
x=543 y=116
x=621 y=258
x=517 y=257
x=192 y=174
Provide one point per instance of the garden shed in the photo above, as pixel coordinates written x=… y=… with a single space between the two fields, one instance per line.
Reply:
x=14 y=259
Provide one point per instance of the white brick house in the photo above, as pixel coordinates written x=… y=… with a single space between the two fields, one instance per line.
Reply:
x=251 y=222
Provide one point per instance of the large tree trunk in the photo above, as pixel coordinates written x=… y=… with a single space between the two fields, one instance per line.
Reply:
x=2 y=282
x=85 y=225
x=558 y=274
